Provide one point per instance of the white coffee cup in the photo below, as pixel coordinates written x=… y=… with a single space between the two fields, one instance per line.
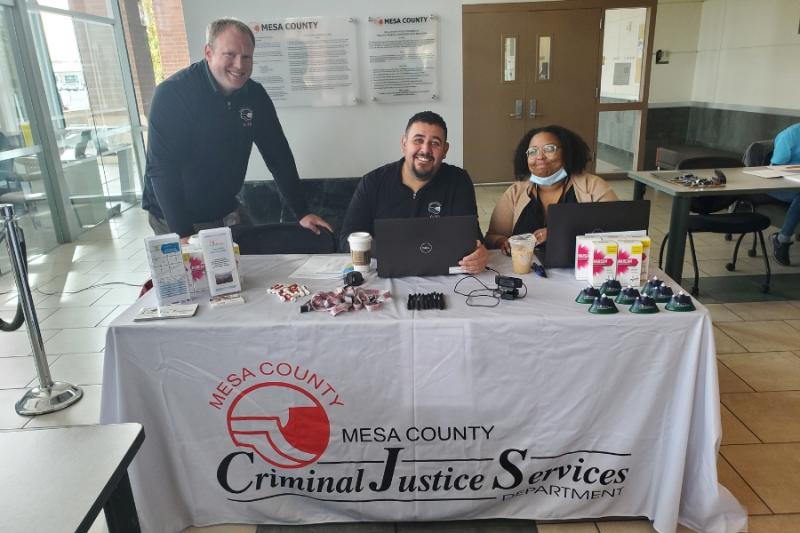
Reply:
x=360 y=250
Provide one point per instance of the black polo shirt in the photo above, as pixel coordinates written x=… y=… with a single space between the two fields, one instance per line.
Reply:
x=199 y=144
x=382 y=194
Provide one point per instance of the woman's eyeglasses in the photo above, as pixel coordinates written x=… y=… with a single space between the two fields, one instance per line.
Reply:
x=547 y=150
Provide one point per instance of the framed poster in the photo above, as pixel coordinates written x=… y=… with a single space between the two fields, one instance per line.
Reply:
x=403 y=56
x=307 y=61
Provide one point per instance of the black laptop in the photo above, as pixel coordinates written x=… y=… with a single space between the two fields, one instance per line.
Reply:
x=567 y=221
x=423 y=246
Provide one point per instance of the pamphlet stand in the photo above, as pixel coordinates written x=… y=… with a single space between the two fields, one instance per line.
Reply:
x=50 y=395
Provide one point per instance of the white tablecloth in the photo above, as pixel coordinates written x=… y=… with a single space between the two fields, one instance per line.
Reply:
x=532 y=409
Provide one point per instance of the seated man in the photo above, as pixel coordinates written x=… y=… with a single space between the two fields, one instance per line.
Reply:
x=787 y=152
x=418 y=185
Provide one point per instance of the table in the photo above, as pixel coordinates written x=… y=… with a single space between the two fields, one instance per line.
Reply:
x=58 y=479
x=738 y=183
x=532 y=409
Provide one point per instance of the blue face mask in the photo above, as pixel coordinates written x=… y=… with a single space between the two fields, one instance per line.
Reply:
x=551 y=179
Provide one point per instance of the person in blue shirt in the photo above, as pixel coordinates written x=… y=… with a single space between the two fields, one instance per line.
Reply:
x=786 y=152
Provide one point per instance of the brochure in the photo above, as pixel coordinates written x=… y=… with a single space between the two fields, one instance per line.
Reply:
x=221 y=270
x=165 y=312
x=170 y=280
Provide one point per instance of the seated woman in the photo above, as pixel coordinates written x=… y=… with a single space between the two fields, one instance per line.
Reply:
x=549 y=165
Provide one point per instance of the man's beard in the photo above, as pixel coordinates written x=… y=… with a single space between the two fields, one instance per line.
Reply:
x=423 y=176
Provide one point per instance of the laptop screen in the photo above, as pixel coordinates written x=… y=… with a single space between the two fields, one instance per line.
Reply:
x=567 y=221
x=423 y=246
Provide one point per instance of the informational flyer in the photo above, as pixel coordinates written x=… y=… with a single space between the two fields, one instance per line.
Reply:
x=308 y=61
x=403 y=56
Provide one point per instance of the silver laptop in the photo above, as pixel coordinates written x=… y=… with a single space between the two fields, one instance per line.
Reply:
x=423 y=246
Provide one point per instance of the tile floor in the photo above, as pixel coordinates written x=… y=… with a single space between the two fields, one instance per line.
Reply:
x=758 y=346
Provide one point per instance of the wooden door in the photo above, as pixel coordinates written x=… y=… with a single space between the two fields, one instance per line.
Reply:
x=560 y=87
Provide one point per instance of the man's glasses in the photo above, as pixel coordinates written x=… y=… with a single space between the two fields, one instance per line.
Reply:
x=547 y=150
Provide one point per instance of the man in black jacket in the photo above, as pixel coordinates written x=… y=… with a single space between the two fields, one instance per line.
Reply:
x=418 y=185
x=203 y=122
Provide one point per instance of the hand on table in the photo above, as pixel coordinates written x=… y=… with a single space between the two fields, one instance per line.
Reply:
x=475 y=263
x=505 y=246
x=314 y=223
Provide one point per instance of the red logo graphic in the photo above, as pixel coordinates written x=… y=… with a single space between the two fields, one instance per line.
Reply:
x=624 y=261
x=600 y=261
x=284 y=424
x=583 y=256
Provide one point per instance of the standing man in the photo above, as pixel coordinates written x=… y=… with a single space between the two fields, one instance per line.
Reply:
x=418 y=185
x=786 y=152
x=204 y=120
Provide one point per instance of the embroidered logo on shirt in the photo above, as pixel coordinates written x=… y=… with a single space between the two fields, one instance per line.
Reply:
x=246 y=115
x=435 y=209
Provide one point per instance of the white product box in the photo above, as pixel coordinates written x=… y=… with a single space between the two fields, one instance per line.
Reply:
x=196 y=266
x=646 y=245
x=604 y=261
x=629 y=262
x=220 y=261
x=583 y=262
x=619 y=234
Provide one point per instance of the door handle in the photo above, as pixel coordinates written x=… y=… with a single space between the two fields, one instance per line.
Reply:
x=517 y=114
x=532 y=109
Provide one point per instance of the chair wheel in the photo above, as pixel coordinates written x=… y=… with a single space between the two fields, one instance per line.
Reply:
x=751 y=253
x=728 y=237
x=695 y=291
x=730 y=267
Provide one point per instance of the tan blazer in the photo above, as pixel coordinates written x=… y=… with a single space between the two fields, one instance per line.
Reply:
x=588 y=188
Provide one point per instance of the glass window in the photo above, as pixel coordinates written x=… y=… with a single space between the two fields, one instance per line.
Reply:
x=544 y=63
x=509 y=59
x=623 y=51
x=21 y=177
x=89 y=112
x=101 y=8
x=617 y=141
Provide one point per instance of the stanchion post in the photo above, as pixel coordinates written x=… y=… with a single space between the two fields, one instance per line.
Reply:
x=50 y=395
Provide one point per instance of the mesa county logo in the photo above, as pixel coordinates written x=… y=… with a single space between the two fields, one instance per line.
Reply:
x=286 y=437
x=283 y=420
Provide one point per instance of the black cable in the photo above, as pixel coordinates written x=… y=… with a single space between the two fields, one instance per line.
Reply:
x=96 y=285
x=486 y=292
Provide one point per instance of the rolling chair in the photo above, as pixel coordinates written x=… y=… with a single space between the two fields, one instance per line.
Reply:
x=706 y=218
x=282 y=238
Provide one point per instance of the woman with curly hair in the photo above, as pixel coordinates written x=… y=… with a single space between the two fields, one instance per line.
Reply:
x=549 y=165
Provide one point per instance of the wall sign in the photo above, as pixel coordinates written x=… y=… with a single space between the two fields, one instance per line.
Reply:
x=307 y=61
x=403 y=58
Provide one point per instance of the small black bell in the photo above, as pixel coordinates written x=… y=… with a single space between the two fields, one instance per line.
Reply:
x=603 y=306
x=587 y=295
x=611 y=287
x=663 y=293
x=644 y=305
x=680 y=302
x=651 y=286
x=627 y=296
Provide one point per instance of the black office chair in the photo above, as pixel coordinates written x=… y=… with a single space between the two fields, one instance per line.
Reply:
x=280 y=238
x=758 y=154
x=705 y=218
